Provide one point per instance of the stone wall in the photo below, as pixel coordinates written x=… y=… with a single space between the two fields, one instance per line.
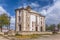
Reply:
x=11 y=32
x=29 y=33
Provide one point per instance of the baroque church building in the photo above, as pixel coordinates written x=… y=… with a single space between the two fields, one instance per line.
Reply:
x=29 y=20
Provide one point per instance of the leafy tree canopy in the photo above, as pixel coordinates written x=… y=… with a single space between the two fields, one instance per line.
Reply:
x=4 y=20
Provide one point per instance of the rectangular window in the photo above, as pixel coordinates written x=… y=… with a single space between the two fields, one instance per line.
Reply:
x=19 y=27
x=19 y=18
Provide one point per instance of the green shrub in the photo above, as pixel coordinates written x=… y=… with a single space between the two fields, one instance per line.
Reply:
x=18 y=35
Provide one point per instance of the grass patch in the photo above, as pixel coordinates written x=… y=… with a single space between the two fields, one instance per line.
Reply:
x=28 y=36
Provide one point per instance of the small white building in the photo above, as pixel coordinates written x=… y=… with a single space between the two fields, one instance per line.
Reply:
x=4 y=30
x=29 y=20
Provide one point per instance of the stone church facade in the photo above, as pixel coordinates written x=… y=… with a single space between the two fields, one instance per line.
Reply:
x=29 y=20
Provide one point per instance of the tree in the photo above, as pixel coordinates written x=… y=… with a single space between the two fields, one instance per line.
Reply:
x=58 y=26
x=51 y=27
x=4 y=20
x=46 y=27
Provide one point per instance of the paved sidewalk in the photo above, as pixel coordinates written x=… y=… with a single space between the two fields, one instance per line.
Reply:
x=52 y=37
x=2 y=38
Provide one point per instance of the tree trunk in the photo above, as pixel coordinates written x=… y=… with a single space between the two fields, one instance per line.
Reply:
x=7 y=27
x=1 y=28
x=58 y=28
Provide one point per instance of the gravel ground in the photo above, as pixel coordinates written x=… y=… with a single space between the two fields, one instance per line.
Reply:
x=2 y=38
x=51 y=37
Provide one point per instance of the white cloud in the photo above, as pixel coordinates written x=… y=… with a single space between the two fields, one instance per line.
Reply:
x=24 y=5
x=12 y=24
x=12 y=19
x=53 y=13
x=2 y=10
x=34 y=5
x=31 y=4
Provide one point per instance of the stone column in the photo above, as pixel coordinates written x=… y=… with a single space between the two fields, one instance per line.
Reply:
x=36 y=24
x=17 y=21
x=23 y=18
x=43 y=24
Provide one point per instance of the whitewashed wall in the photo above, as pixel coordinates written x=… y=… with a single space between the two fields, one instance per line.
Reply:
x=25 y=20
x=32 y=18
x=17 y=28
x=38 y=20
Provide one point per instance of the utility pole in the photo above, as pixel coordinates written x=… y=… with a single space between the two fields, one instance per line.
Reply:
x=9 y=23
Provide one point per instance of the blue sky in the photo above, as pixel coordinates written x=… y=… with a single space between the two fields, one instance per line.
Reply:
x=11 y=5
x=49 y=8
